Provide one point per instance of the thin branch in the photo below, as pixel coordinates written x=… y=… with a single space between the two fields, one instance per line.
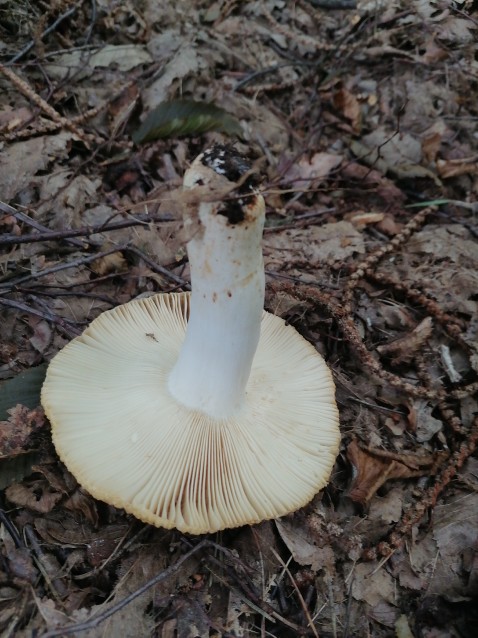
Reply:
x=307 y=616
x=157 y=268
x=49 y=235
x=31 y=95
x=22 y=217
x=68 y=331
x=97 y=620
x=332 y=5
x=47 y=31
x=86 y=295
x=72 y=264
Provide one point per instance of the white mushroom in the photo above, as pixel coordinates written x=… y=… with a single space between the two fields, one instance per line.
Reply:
x=198 y=411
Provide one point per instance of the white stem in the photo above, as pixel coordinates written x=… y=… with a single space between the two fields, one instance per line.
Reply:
x=227 y=300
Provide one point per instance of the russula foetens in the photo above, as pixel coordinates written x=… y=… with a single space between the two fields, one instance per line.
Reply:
x=198 y=411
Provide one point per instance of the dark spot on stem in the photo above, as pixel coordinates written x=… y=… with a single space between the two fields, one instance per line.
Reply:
x=226 y=160
x=233 y=211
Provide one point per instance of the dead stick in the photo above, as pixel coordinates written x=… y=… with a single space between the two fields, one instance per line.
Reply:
x=47 y=31
x=69 y=331
x=97 y=620
x=72 y=264
x=30 y=94
x=85 y=231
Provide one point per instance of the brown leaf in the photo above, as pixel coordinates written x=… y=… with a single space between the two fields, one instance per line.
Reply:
x=81 y=502
x=348 y=105
x=36 y=497
x=421 y=421
x=373 y=584
x=404 y=349
x=318 y=167
x=304 y=547
x=386 y=189
x=456 y=167
x=42 y=334
x=20 y=562
x=16 y=431
x=374 y=467
x=430 y=146
x=114 y=262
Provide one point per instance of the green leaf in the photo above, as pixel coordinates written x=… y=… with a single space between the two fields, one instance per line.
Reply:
x=185 y=117
x=24 y=388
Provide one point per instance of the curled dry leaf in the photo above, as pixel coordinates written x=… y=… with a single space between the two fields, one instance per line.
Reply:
x=455 y=167
x=37 y=496
x=349 y=106
x=16 y=431
x=306 y=170
x=372 y=468
x=114 y=262
x=83 y=503
x=361 y=219
x=404 y=349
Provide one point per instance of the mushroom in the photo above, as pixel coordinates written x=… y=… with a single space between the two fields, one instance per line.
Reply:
x=200 y=410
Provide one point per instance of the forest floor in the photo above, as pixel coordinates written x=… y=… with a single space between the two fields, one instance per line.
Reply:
x=364 y=120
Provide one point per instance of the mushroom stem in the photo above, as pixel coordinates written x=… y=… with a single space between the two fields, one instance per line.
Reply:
x=227 y=299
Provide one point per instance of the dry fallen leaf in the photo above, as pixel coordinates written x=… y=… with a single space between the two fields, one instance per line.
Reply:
x=404 y=349
x=36 y=496
x=305 y=549
x=16 y=431
x=349 y=106
x=25 y=159
x=456 y=167
x=372 y=468
x=303 y=172
x=114 y=262
x=316 y=245
x=373 y=584
x=421 y=421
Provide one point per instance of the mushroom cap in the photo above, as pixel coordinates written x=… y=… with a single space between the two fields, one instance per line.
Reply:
x=129 y=443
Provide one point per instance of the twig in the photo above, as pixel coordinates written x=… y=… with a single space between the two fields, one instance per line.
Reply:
x=250 y=597
x=310 y=622
x=30 y=94
x=372 y=260
x=85 y=231
x=71 y=264
x=350 y=332
x=429 y=499
x=451 y=324
x=48 y=565
x=22 y=217
x=157 y=268
x=97 y=620
x=69 y=331
x=69 y=12
x=334 y=4
x=10 y=528
x=92 y=22
x=68 y=293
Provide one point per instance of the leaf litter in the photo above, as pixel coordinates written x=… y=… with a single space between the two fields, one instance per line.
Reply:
x=363 y=119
